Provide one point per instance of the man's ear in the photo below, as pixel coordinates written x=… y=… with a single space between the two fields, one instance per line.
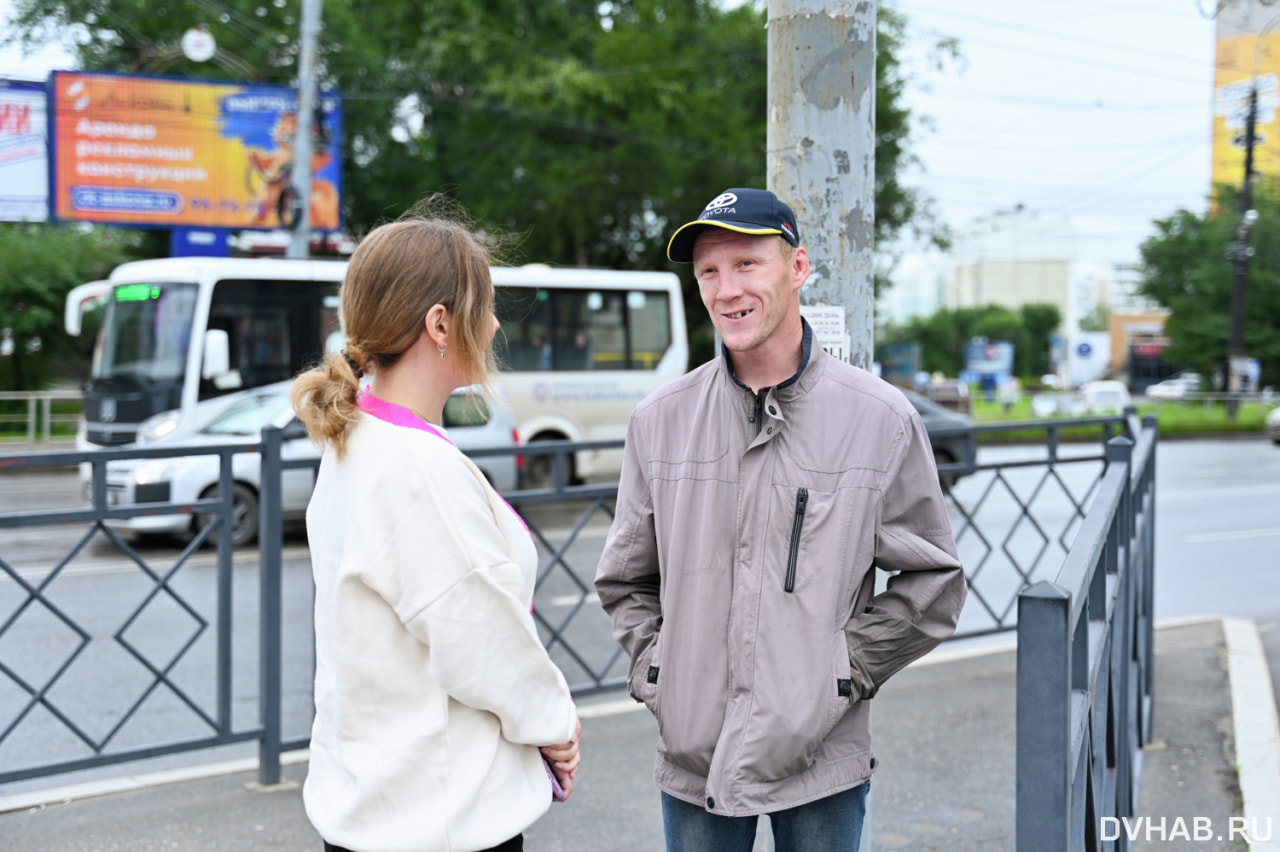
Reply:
x=799 y=267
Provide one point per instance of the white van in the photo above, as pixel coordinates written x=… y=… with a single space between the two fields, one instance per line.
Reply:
x=1105 y=397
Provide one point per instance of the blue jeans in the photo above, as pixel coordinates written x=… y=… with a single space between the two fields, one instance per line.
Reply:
x=833 y=824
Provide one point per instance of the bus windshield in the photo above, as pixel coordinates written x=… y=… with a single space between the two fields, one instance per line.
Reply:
x=146 y=332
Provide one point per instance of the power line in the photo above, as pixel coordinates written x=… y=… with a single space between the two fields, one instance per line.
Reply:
x=1074 y=60
x=1127 y=49
x=989 y=96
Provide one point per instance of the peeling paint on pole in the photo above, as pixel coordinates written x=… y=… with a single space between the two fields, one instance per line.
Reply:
x=821 y=152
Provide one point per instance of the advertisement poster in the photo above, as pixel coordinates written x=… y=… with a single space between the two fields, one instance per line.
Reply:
x=162 y=152
x=24 y=172
x=1234 y=78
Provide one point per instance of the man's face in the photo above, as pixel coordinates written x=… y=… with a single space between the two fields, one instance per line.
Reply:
x=748 y=287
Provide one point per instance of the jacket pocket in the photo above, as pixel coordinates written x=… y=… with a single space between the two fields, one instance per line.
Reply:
x=795 y=708
x=793 y=552
x=643 y=681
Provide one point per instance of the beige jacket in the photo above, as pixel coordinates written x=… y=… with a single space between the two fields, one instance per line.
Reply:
x=738 y=575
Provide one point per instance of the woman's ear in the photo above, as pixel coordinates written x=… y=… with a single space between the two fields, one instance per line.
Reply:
x=436 y=324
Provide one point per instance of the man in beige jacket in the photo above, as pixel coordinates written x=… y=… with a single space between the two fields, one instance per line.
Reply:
x=759 y=493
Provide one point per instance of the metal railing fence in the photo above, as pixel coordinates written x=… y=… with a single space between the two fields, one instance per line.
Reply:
x=31 y=413
x=33 y=604
x=996 y=507
x=1085 y=665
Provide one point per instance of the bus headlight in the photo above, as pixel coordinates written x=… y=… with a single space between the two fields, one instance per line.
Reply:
x=157 y=426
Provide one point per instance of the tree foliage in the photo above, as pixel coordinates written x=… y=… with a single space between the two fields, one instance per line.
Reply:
x=39 y=264
x=1185 y=267
x=944 y=335
x=587 y=128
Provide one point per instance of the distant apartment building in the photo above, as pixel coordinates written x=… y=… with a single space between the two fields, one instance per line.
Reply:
x=1018 y=257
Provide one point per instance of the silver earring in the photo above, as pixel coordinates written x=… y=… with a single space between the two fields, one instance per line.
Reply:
x=442 y=348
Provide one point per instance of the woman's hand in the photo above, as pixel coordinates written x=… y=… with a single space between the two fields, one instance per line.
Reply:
x=564 y=760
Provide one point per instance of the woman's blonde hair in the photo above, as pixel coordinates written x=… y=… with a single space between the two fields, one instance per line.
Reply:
x=399 y=271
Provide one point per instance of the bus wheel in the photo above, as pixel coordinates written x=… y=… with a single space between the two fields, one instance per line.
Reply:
x=538 y=470
x=244 y=515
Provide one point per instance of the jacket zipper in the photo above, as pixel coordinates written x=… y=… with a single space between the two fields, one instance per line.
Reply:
x=802 y=501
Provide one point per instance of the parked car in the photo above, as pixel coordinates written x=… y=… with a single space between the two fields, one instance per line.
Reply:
x=471 y=421
x=1105 y=397
x=1056 y=404
x=948 y=434
x=1273 y=426
x=951 y=394
x=1175 y=387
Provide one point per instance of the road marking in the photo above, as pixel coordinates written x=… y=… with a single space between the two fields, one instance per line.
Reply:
x=1219 y=492
x=1231 y=535
x=125 y=566
x=572 y=600
x=615 y=707
x=561 y=533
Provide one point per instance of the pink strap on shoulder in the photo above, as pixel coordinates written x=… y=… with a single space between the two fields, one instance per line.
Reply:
x=398 y=415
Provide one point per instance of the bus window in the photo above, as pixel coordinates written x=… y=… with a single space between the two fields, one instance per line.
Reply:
x=648 y=327
x=146 y=333
x=523 y=342
x=565 y=329
x=606 y=330
x=275 y=330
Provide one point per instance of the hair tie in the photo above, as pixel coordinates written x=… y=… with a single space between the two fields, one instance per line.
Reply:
x=355 y=368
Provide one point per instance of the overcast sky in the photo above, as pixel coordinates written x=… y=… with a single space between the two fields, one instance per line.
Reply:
x=1099 y=110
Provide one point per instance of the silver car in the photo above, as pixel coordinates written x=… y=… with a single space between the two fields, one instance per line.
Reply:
x=472 y=423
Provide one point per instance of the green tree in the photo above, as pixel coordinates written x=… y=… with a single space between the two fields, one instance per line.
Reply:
x=39 y=264
x=1186 y=269
x=1039 y=321
x=587 y=128
x=944 y=335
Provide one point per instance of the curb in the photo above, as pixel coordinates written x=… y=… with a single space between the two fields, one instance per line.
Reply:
x=131 y=783
x=1257 y=729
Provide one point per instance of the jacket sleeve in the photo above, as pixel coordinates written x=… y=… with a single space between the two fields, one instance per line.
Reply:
x=922 y=602
x=458 y=591
x=628 y=578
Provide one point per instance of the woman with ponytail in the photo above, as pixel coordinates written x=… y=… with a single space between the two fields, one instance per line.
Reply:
x=439 y=714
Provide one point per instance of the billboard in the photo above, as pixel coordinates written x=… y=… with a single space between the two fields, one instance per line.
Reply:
x=1237 y=58
x=24 y=168
x=165 y=152
x=988 y=357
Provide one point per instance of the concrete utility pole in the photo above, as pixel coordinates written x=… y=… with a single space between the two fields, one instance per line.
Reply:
x=300 y=177
x=821 y=158
x=822 y=161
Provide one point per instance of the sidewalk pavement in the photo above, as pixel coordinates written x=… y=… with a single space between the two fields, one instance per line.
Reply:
x=943 y=731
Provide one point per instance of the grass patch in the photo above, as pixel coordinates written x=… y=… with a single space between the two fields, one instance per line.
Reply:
x=1174 y=418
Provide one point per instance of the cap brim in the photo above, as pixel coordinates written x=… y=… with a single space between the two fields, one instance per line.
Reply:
x=680 y=248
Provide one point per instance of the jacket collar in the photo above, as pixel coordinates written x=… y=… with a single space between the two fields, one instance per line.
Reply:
x=800 y=381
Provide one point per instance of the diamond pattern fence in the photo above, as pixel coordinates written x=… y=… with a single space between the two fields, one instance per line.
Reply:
x=152 y=659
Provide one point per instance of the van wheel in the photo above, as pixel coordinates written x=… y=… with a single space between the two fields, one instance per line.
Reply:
x=538 y=470
x=244 y=515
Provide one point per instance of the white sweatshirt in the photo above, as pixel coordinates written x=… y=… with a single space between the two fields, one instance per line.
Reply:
x=433 y=690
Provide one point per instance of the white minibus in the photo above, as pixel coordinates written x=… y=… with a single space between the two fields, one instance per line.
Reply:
x=579 y=347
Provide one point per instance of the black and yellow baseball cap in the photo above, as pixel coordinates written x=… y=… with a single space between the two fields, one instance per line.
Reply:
x=747 y=211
